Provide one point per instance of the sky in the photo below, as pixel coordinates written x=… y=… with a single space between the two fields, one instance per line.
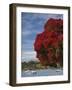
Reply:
x=31 y=25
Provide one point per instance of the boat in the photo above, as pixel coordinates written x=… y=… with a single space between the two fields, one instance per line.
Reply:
x=27 y=71
x=33 y=72
x=58 y=70
x=30 y=72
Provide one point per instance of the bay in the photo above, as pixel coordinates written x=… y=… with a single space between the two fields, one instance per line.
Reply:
x=42 y=72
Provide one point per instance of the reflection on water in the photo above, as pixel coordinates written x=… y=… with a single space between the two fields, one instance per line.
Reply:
x=43 y=72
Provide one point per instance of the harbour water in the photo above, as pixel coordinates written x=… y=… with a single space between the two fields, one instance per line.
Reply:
x=42 y=72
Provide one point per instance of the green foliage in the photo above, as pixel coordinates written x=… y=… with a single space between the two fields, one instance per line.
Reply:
x=34 y=65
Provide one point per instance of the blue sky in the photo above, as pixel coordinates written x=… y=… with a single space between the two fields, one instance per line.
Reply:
x=31 y=25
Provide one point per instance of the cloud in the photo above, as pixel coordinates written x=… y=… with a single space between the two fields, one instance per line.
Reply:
x=28 y=56
x=27 y=45
x=28 y=53
x=26 y=32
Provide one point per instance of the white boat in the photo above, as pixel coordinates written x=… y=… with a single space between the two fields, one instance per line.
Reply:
x=58 y=70
x=30 y=72
x=27 y=71
x=34 y=72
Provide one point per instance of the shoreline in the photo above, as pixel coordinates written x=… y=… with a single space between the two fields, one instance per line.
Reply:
x=50 y=68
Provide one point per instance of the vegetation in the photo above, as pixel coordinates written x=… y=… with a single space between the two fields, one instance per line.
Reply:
x=48 y=44
x=34 y=65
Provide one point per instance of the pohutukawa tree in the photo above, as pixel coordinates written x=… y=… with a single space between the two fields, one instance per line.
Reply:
x=49 y=44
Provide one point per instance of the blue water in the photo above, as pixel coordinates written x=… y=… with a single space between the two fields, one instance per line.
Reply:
x=43 y=72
